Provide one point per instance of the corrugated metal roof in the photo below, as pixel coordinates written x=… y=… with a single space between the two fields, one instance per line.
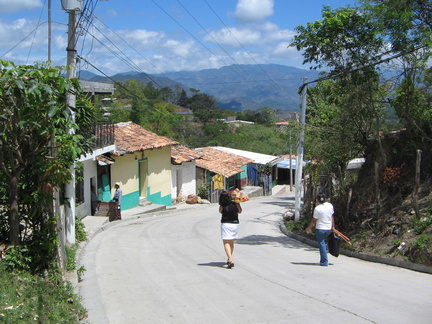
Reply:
x=257 y=158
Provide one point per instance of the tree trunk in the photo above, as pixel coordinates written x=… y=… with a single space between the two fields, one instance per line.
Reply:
x=417 y=185
x=377 y=189
x=14 y=237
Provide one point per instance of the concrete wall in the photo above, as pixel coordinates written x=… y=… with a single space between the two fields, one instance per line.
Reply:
x=187 y=181
x=126 y=170
x=159 y=175
x=90 y=176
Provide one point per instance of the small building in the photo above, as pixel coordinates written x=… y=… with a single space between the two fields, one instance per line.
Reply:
x=142 y=165
x=218 y=170
x=183 y=172
x=258 y=159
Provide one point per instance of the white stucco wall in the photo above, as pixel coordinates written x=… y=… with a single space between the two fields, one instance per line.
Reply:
x=187 y=181
x=90 y=171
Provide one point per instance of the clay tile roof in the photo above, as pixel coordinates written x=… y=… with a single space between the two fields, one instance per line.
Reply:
x=130 y=137
x=220 y=162
x=104 y=160
x=180 y=154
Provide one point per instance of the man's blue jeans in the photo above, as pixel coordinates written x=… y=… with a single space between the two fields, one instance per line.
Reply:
x=321 y=236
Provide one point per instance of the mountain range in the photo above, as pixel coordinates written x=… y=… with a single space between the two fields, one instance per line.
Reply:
x=235 y=87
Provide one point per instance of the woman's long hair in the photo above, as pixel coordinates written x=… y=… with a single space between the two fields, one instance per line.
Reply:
x=225 y=198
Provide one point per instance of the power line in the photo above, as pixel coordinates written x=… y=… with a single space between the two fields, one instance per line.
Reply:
x=247 y=52
x=193 y=17
x=125 y=59
x=123 y=39
x=381 y=61
x=108 y=77
x=184 y=28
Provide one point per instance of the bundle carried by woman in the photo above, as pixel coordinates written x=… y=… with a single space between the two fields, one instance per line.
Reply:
x=239 y=196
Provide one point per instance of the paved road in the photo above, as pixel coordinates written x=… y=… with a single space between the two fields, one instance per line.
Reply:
x=171 y=268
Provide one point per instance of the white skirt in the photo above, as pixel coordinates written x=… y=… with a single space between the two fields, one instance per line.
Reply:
x=229 y=231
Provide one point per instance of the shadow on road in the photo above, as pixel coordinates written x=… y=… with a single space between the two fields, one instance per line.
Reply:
x=283 y=202
x=307 y=263
x=266 y=239
x=213 y=264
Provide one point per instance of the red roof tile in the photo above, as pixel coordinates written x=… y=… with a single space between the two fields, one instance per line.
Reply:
x=130 y=137
x=180 y=154
x=220 y=162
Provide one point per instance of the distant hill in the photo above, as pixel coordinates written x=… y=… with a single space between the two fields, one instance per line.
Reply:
x=235 y=87
x=241 y=87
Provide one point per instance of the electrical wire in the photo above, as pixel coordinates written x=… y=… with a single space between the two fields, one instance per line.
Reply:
x=211 y=36
x=34 y=35
x=125 y=59
x=380 y=61
x=247 y=52
x=130 y=46
x=187 y=31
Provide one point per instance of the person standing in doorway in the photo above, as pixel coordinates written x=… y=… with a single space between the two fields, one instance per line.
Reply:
x=323 y=220
x=229 y=224
x=118 y=199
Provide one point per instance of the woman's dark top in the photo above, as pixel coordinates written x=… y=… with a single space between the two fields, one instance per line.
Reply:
x=230 y=214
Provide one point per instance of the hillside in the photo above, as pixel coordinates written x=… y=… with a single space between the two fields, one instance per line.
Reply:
x=379 y=215
x=235 y=87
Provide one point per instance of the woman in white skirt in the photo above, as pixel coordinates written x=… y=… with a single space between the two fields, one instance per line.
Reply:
x=229 y=223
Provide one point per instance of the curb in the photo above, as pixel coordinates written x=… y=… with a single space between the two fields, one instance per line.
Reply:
x=361 y=256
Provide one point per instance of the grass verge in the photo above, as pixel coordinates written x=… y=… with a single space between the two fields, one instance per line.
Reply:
x=25 y=298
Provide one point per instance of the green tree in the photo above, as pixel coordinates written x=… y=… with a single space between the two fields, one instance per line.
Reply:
x=350 y=46
x=344 y=40
x=413 y=101
x=407 y=25
x=35 y=141
x=183 y=99
x=118 y=115
x=162 y=119
x=203 y=107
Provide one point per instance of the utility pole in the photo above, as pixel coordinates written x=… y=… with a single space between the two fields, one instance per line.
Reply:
x=299 y=159
x=290 y=154
x=72 y=7
x=49 y=31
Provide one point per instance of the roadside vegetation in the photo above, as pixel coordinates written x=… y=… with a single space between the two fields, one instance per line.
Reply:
x=373 y=100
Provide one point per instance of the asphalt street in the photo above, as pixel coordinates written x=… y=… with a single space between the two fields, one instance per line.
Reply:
x=171 y=268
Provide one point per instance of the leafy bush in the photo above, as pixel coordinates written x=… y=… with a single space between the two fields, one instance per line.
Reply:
x=33 y=299
x=17 y=258
x=203 y=191
x=424 y=241
x=421 y=224
x=80 y=234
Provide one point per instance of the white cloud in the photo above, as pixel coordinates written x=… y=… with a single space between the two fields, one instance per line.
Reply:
x=251 y=11
x=8 y=6
x=182 y=49
x=142 y=39
x=275 y=33
x=233 y=36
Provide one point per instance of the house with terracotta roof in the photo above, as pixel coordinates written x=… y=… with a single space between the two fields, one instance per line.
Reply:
x=258 y=159
x=142 y=165
x=219 y=170
x=183 y=172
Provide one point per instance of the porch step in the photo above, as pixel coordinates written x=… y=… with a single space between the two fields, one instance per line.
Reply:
x=253 y=191
x=144 y=202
